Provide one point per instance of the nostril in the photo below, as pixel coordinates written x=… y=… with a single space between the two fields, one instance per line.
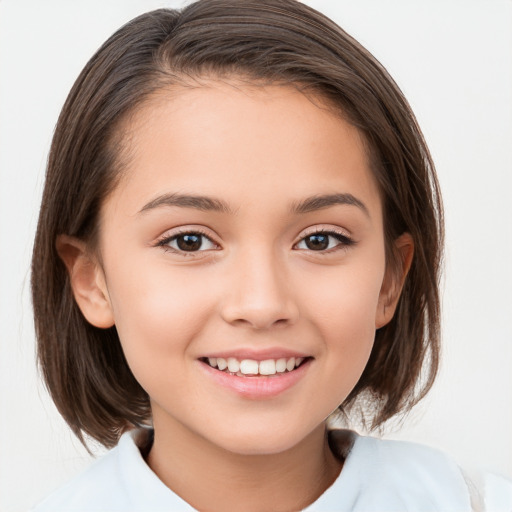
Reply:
x=259 y=303
x=259 y=320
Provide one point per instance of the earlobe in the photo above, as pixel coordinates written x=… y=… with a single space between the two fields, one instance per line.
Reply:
x=87 y=281
x=394 y=280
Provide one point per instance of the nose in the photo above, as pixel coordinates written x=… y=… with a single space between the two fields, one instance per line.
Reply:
x=259 y=294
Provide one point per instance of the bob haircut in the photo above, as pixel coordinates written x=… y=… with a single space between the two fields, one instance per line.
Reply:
x=259 y=42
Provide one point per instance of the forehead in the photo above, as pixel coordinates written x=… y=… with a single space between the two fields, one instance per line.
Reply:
x=250 y=144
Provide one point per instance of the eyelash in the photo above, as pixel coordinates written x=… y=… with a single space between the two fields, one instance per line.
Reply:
x=344 y=241
x=164 y=242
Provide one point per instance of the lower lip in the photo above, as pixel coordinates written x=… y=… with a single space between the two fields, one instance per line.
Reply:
x=257 y=387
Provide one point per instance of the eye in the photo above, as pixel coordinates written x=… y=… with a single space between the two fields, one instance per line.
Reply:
x=325 y=241
x=189 y=241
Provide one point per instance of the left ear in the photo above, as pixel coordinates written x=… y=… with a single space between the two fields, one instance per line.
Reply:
x=394 y=280
x=87 y=281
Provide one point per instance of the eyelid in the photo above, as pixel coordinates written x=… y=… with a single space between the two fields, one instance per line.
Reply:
x=325 y=229
x=170 y=235
x=343 y=236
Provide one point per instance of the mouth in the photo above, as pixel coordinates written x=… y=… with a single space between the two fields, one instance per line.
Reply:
x=256 y=376
x=253 y=367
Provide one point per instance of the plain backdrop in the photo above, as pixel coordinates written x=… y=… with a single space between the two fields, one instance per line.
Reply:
x=452 y=59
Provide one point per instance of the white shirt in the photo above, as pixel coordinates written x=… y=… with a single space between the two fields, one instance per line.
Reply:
x=377 y=476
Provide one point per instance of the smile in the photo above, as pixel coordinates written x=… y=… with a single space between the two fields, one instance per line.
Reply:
x=246 y=367
x=258 y=378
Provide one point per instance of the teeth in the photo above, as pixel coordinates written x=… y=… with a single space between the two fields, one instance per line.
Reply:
x=249 y=367
x=233 y=365
x=280 y=365
x=252 y=367
x=268 y=367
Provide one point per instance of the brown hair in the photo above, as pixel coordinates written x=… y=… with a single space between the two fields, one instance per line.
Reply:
x=269 y=41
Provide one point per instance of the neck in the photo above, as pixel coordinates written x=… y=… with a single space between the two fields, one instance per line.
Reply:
x=211 y=478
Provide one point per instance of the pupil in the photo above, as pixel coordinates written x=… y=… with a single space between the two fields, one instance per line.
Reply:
x=316 y=242
x=189 y=242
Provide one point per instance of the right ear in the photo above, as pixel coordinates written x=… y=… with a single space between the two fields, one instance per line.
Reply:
x=87 y=281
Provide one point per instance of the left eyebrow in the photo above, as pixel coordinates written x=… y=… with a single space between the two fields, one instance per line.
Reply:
x=203 y=203
x=314 y=203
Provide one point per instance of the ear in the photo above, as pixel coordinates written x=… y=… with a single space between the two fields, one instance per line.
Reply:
x=87 y=281
x=394 y=280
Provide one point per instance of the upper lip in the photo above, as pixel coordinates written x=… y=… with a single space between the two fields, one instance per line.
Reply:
x=257 y=354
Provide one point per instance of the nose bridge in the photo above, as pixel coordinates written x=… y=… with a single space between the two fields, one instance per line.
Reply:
x=259 y=293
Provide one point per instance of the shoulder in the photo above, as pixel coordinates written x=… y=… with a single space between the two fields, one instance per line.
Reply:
x=397 y=475
x=119 y=481
x=413 y=459
x=100 y=484
x=403 y=476
x=415 y=476
x=421 y=466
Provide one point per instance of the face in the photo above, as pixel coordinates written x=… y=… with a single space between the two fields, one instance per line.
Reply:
x=246 y=231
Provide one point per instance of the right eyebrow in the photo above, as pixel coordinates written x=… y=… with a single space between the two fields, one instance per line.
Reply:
x=188 y=201
x=320 y=202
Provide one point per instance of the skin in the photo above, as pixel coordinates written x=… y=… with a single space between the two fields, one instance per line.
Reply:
x=255 y=284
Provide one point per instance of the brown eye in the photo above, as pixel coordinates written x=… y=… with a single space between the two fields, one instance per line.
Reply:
x=188 y=242
x=317 y=242
x=324 y=241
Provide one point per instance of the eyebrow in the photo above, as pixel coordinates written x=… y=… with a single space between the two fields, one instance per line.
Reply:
x=211 y=204
x=314 y=203
x=205 y=203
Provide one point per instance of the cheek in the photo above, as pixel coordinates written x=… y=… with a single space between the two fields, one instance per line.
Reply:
x=344 y=300
x=157 y=313
x=343 y=309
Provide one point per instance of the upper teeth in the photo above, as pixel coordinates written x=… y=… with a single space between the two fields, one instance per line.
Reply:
x=252 y=367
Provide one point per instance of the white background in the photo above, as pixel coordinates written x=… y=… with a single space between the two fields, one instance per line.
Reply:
x=452 y=59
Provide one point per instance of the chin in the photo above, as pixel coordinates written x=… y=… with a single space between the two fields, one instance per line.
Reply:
x=261 y=441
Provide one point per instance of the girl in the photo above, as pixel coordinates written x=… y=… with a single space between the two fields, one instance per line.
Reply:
x=240 y=236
